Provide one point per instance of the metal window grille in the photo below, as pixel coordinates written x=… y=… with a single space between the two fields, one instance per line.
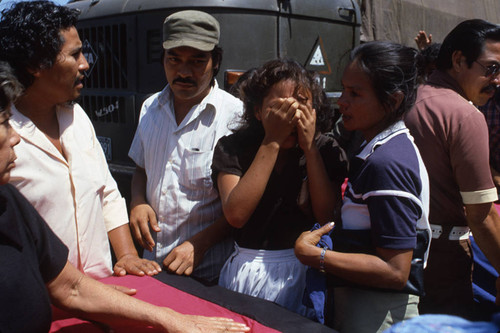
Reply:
x=109 y=42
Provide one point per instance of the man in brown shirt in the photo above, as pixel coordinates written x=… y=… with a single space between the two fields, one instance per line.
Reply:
x=452 y=137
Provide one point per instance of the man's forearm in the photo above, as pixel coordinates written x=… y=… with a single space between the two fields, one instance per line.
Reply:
x=484 y=223
x=138 y=187
x=93 y=300
x=121 y=241
x=215 y=233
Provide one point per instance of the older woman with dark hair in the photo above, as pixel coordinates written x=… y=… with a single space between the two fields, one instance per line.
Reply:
x=380 y=246
x=276 y=176
x=34 y=267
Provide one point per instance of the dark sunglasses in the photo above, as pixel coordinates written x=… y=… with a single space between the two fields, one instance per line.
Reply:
x=490 y=71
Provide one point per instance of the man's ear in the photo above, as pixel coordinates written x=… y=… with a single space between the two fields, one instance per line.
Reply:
x=457 y=61
x=257 y=114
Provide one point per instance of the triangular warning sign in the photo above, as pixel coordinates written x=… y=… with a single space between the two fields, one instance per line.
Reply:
x=317 y=60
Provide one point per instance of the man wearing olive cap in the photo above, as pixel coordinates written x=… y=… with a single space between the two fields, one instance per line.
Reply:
x=172 y=192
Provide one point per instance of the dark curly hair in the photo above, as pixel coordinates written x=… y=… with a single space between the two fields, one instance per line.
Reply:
x=259 y=81
x=391 y=68
x=10 y=88
x=30 y=36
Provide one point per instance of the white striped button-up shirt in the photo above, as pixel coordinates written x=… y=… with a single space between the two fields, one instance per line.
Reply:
x=177 y=160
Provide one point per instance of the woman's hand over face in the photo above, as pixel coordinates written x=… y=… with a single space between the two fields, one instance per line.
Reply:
x=306 y=126
x=279 y=119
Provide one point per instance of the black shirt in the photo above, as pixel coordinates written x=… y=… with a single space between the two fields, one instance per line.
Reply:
x=30 y=256
x=282 y=213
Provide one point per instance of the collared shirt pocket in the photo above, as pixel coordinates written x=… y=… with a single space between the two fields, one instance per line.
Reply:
x=195 y=178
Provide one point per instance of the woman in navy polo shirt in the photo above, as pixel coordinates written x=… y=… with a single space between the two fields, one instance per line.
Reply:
x=380 y=246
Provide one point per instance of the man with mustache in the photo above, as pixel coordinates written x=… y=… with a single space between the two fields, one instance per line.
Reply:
x=452 y=137
x=61 y=168
x=172 y=191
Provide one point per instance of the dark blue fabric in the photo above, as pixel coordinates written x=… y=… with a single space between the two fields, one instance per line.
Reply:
x=382 y=182
x=431 y=323
x=384 y=201
x=484 y=276
x=483 y=284
x=31 y=255
x=315 y=292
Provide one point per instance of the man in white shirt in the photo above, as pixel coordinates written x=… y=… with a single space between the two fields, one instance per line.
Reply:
x=172 y=191
x=61 y=168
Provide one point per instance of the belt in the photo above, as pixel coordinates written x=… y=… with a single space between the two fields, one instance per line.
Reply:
x=456 y=233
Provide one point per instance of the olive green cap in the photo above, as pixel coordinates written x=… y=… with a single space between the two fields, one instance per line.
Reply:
x=191 y=28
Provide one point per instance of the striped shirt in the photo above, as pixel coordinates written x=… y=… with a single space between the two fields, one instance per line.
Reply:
x=177 y=160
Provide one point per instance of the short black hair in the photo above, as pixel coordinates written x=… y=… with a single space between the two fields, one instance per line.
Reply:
x=469 y=38
x=30 y=36
x=217 y=53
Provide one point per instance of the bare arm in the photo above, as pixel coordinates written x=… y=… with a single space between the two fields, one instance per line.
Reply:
x=185 y=258
x=90 y=299
x=484 y=223
x=142 y=214
x=321 y=189
x=128 y=260
x=388 y=269
x=240 y=196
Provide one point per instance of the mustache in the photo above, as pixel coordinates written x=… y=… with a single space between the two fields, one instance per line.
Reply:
x=79 y=79
x=489 y=88
x=184 y=80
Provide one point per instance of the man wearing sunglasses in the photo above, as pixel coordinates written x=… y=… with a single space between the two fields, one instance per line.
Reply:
x=452 y=137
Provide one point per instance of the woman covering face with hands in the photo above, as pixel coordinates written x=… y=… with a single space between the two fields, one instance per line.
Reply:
x=276 y=176
x=289 y=120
